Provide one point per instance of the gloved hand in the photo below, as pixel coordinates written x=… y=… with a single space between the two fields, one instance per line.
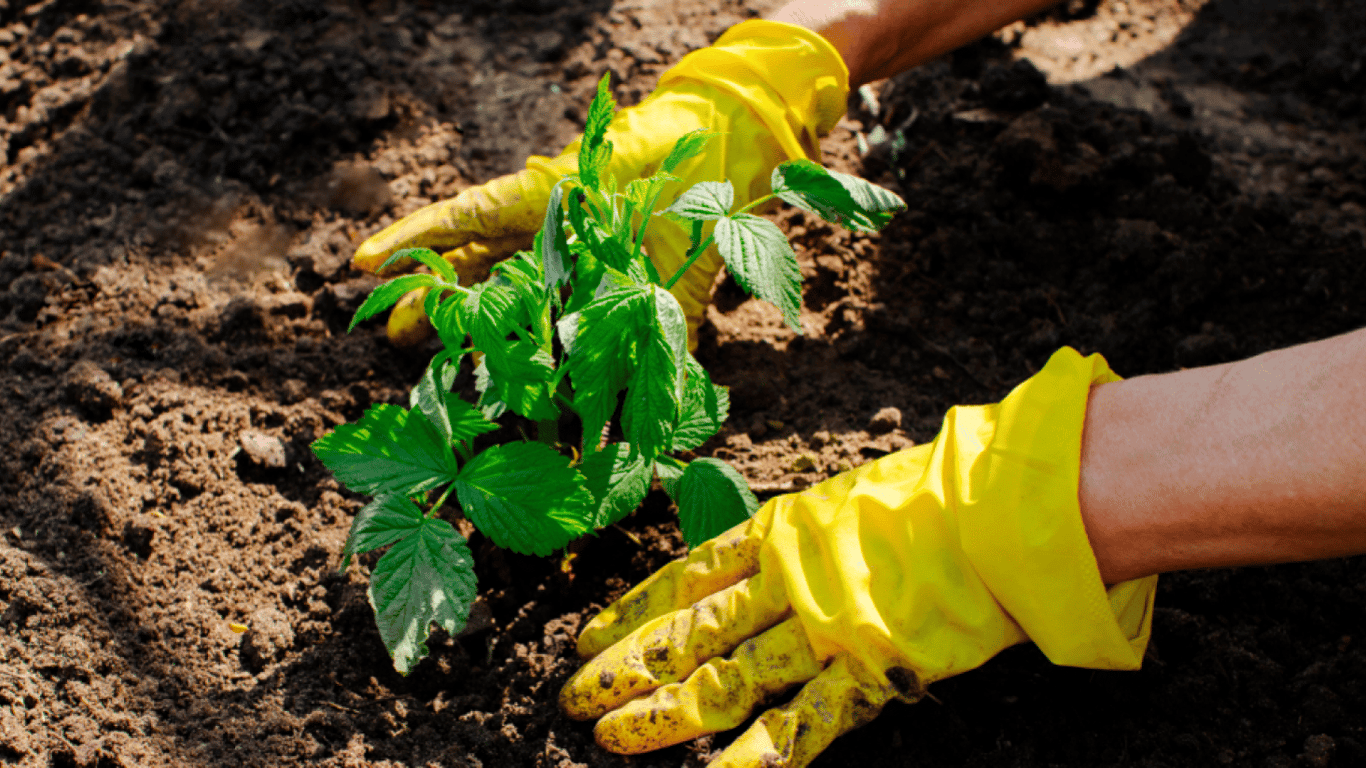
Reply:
x=870 y=586
x=769 y=88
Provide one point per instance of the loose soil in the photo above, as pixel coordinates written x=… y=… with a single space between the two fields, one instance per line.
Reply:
x=182 y=185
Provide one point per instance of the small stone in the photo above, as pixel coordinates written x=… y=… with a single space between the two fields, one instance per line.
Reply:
x=820 y=438
x=293 y=390
x=885 y=420
x=91 y=389
x=264 y=450
x=270 y=636
x=802 y=463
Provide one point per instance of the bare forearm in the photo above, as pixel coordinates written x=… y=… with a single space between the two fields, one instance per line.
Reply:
x=1254 y=462
x=879 y=38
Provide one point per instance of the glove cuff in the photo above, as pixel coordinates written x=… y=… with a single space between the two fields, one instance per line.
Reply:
x=790 y=77
x=1035 y=557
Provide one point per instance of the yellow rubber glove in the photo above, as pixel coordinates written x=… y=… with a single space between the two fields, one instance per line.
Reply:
x=771 y=89
x=870 y=586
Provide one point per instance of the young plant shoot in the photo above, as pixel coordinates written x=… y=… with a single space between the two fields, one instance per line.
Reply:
x=579 y=343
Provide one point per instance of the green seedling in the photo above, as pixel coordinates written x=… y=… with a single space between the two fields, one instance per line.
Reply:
x=585 y=391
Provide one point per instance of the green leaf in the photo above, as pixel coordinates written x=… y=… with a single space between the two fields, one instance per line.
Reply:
x=489 y=404
x=447 y=322
x=670 y=471
x=762 y=262
x=518 y=373
x=455 y=419
x=688 y=145
x=705 y=201
x=525 y=497
x=604 y=349
x=703 y=411
x=712 y=498
x=618 y=478
x=640 y=191
x=429 y=257
x=603 y=246
x=426 y=578
x=595 y=151
x=554 y=245
x=387 y=295
x=656 y=384
x=380 y=523
x=651 y=406
x=492 y=310
x=836 y=197
x=390 y=450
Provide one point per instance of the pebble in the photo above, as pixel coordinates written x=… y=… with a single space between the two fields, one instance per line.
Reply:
x=804 y=462
x=264 y=450
x=90 y=388
x=270 y=636
x=885 y=420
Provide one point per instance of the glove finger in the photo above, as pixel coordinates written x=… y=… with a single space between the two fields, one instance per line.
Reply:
x=837 y=701
x=508 y=206
x=717 y=697
x=711 y=566
x=668 y=649
x=408 y=323
x=473 y=261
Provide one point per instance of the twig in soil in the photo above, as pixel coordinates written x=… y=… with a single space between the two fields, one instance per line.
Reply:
x=629 y=535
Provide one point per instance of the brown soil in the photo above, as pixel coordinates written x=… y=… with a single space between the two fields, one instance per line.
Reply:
x=182 y=184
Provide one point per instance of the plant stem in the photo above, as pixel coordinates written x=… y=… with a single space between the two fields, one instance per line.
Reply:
x=755 y=204
x=692 y=259
x=442 y=500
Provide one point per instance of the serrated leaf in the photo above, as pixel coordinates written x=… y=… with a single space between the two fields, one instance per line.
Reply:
x=604 y=349
x=640 y=191
x=618 y=478
x=595 y=150
x=554 y=244
x=387 y=295
x=704 y=409
x=447 y=322
x=712 y=498
x=380 y=523
x=760 y=259
x=704 y=201
x=669 y=470
x=651 y=406
x=489 y=404
x=491 y=310
x=389 y=450
x=603 y=245
x=432 y=259
x=456 y=420
x=688 y=145
x=518 y=372
x=840 y=198
x=656 y=384
x=525 y=497
x=426 y=578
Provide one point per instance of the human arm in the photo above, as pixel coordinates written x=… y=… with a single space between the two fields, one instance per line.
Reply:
x=870 y=586
x=881 y=38
x=1253 y=462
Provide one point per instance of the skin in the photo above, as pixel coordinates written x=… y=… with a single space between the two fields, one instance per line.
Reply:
x=1255 y=462
x=879 y=38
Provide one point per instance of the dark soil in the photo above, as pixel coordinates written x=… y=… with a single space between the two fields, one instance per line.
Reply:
x=181 y=187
